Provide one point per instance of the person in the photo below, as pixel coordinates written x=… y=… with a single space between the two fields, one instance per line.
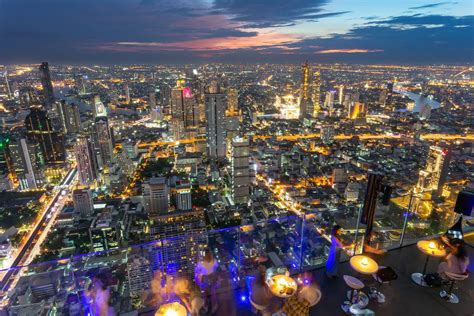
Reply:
x=369 y=249
x=189 y=294
x=261 y=297
x=206 y=277
x=455 y=262
x=334 y=255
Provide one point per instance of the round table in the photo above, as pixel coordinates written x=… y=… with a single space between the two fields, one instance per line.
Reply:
x=364 y=264
x=171 y=309
x=282 y=286
x=431 y=249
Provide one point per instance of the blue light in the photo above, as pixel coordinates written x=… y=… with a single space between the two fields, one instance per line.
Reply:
x=306 y=281
x=243 y=298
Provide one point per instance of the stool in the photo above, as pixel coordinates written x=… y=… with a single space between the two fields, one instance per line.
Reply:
x=453 y=278
x=383 y=275
x=355 y=285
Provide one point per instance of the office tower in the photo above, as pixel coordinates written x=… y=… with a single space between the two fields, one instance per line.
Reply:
x=339 y=175
x=215 y=122
x=103 y=141
x=165 y=94
x=341 y=94
x=306 y=104
x=433 y=177
x=98 y=108
x=45 y=78
x=85 y=159
x=40 y=130
x=183 y=195
x=327 y=134
x=177 y=104
x=139 y=275
x=329 y=101
x=356 y=110
x=240 y=170
x=69 y=116
x=177 y=129
x=9 y=91
x=126 y=90
x=82 y=201
x=156 y=195
x=6 y=167
x=152 y=100
x=26 y=163
x=191 y=108
x=232 y=100
x=316 y=89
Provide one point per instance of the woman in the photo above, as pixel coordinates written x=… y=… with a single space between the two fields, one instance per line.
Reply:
x=456 y=262
x=206 y=277
x=334 y=255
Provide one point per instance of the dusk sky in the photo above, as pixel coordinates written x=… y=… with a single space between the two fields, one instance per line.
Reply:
x=174 y=31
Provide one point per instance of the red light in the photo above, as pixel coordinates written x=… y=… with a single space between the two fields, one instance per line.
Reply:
x=187 y=93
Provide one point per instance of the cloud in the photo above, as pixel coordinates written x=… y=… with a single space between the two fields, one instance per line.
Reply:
x=428 y=6
x=348 y=51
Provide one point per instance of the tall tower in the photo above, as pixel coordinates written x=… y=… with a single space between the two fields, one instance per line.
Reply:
x=86 y=165
x=46 y=83
x=316 y=89
x=82 y=200
x=40 y=130
x=156 y=195
x=240 y=170
x=232 y=100
x=98 y=108
x=215 y=122
x=26 y=163
x=329 y=101
x=433 y=177
x=183 y=195
x=69 y=116
x=306 y=104
x=103 y=141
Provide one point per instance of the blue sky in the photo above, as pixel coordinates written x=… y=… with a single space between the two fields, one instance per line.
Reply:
x=166 y=31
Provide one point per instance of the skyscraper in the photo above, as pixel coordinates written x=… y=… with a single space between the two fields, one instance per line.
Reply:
x=26 y=164
x=40 y=130
x=306 y=104
x=126 y=89
x=316 y=92
x=341 y=94
x=327 y=134
x=82 y=201
x=329 y=101
x=356 y=110
x=6 y=166
x=69 y=116
x=232 y=101
x=156 y=195
x=240 y=170
x=433 y=177
x=215 y=122
x=183 y=195
x=103 y=141
x=98 y=108
x=85 y=159
x=45 y=78
x=139 y=274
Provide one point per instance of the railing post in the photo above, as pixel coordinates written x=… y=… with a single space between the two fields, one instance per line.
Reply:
x=303 y=221
x=357 y=230
x=405 y=221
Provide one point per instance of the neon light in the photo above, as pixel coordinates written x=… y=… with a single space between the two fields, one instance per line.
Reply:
x=187 y=93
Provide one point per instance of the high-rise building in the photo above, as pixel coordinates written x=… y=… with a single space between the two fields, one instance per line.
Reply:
x=156 y=195
x=183 y=195
x=232 y=101
x=40 y=130
x=356 y=110
x=126 y=89
x=85 y=159
x=316 y=92
x=327 y=134
x=103 y=141
x=26 y=164
x=341 y=94
x=306 y=104
x=139 y=275
x=240 y=179
x=152 y=100
x=105 y=230
x=46 y=83
x=82 y=201
x=433 y=177
x=215 y=122
x=329 y=101
x=6 y=166
x=98 y=108
x=69 y=116
x=177 y=104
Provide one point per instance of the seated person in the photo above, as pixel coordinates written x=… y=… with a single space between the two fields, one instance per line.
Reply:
x=456 y=262
x=260 y=295
x=370 y=249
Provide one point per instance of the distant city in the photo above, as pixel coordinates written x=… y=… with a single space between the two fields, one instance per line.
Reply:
x=130 y=170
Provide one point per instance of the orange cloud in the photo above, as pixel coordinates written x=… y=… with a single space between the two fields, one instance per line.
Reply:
x=349 y=51
x=211 y=44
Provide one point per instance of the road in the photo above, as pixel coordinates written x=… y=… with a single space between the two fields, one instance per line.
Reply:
x=37 y=235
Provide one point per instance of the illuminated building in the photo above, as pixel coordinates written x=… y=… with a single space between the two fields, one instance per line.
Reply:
x=156 y=195
x=6 y=166
x=105 y=230
x=152 y=100
x=27 y=162
x=139 y=274
x=98 y=108
x=289 y=107
x=433 y=177
x=102 y=136
x=232 y=100
x=176 y=129
x=340 y=94
x=329 y=101
x=327 y=134
x=40 y=130
x=306 y=104
x=183 y=195
x=316 y=90
x=191 y=108
x=85 y=159
x=69 y=116
x=82 y=201
x=46 y=83
x=240 y=170
x=127 y=93
x=215 y=122
x=356 y=110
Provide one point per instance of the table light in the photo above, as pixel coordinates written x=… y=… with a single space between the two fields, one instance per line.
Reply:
x=171 y=309
x=432 y=245
x=364 y=261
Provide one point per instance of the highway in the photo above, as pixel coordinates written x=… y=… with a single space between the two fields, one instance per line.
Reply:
x=33 y=239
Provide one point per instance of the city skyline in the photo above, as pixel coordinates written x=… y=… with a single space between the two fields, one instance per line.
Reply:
x=108 y=32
